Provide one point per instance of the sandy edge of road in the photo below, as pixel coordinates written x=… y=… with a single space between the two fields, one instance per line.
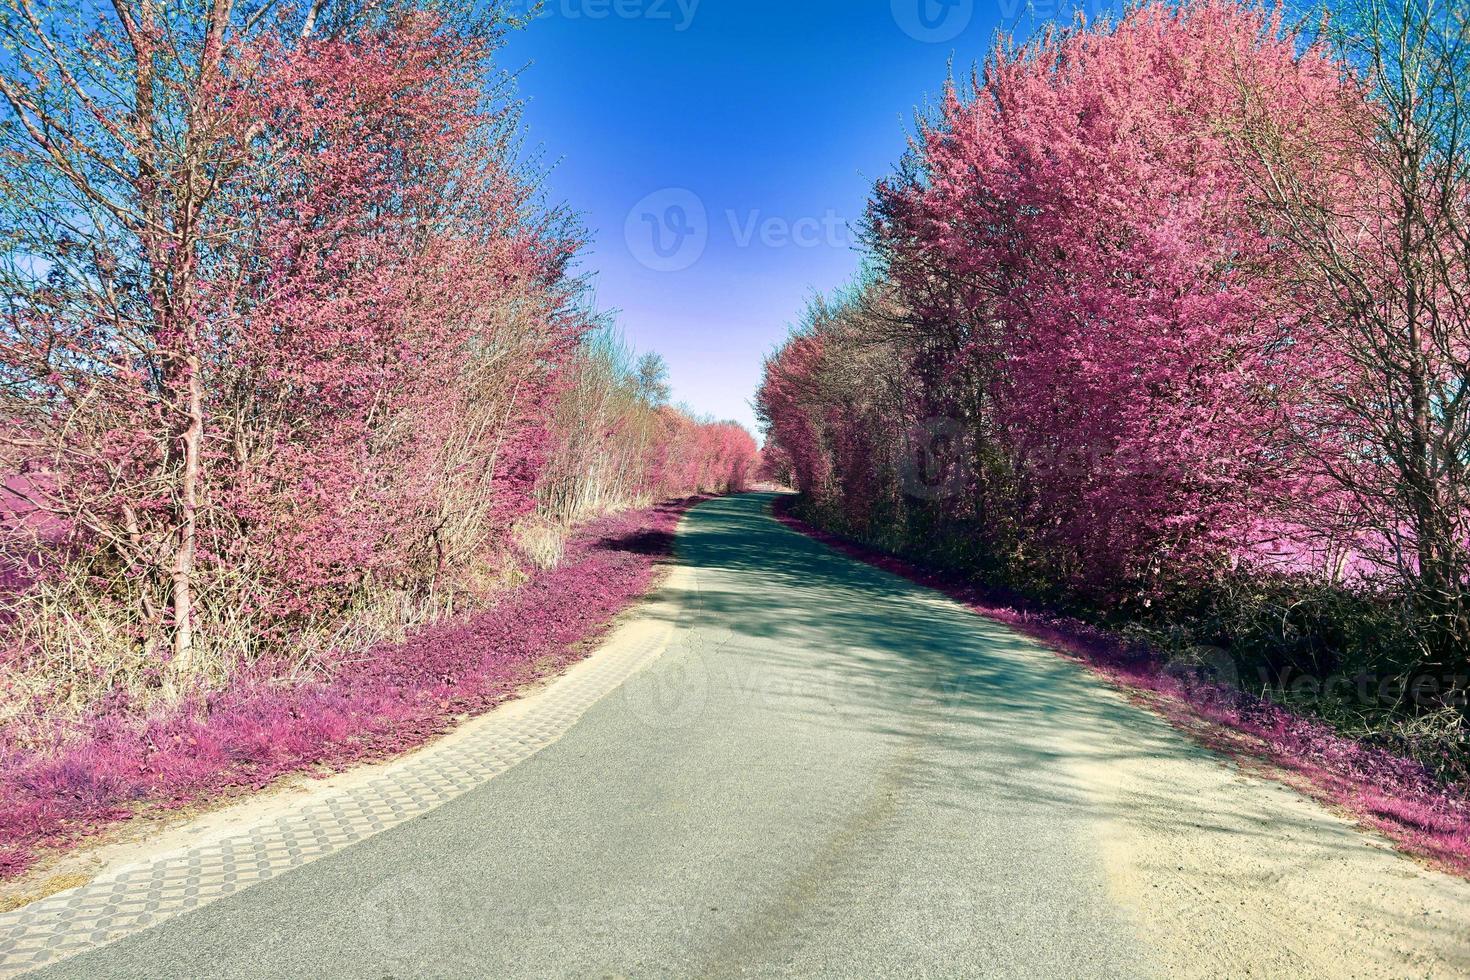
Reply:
x=1226 y=874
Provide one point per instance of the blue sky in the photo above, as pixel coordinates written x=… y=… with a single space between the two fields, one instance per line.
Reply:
x=719 y=151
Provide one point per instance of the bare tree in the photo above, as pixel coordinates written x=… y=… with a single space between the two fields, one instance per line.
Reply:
x=652 y=376
x=126 y=129
x=1370 y=192
x=115 y=146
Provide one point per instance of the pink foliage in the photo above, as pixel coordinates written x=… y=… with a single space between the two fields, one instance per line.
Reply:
x=701 y=457
x=1084 y=293
x=368 y=311
x=377 y=314
x=1087 y=197
x=377 y=704
x=29 y=529
x=786 y=390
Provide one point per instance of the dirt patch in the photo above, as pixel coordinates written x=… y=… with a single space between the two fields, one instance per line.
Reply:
x=1226 y=872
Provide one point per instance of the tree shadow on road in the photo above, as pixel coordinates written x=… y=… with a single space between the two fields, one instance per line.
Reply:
x=841 y=643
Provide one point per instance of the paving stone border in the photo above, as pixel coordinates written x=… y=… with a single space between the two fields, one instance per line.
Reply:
x=141 y=895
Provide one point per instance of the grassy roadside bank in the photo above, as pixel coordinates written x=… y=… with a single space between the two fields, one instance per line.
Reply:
x=394 y=699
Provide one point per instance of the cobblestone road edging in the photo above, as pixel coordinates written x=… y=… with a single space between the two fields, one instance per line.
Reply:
x=144 y=894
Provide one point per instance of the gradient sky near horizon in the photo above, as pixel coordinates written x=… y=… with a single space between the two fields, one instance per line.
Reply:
x=720 y=152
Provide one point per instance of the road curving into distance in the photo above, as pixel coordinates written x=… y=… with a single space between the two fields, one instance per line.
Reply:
x=833 y=772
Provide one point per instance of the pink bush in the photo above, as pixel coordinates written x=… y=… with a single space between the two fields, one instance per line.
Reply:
x=1086 y=203
x=1072 y=286
x=374 y=705
x=381 y=376
x=701 y=457
x=793 y=413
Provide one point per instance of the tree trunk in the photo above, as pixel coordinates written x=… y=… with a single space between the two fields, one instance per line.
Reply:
x=183 y=568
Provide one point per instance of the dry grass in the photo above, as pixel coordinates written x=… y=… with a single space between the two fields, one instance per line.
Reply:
x=73 y=641
x=543 y=541
x=70 y=644
x=45 y=888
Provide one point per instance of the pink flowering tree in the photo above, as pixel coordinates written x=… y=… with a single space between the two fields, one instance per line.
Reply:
x=1076 y=232
x=283 y=328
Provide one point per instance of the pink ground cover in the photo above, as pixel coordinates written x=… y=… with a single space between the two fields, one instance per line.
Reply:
x=1392 y=794
x=381 y=703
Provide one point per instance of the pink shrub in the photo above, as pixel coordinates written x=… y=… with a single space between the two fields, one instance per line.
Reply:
x=374 y=704
x=701 y=457
x=384 y=387
x=792 y=411
x=1113 y=294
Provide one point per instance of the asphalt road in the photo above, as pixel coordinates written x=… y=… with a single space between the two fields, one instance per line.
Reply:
x=829 y=772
